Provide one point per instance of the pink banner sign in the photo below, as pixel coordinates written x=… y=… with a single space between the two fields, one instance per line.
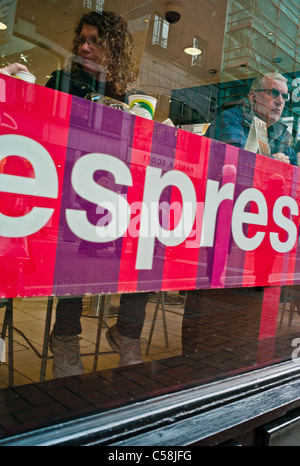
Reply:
x=94 y=199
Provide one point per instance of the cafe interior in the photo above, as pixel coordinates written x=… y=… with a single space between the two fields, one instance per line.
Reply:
x=196 y=58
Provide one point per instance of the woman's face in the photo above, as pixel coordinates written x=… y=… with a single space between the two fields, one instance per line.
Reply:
x=92 y=57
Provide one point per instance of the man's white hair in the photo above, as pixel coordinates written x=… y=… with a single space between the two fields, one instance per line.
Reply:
x=258 y=82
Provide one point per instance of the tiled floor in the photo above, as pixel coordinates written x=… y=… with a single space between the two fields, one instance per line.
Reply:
x=29 y=320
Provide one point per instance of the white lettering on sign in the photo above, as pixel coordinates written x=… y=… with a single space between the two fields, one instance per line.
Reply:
x=284 y=223
x=44 y=184
x=154 y=186
x=240 y=217
x=77 y=220
x=213 y=199
x=121 y=220
x=296 y=90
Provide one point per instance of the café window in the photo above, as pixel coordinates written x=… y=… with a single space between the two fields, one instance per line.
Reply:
x=199 y=46
x=118 y=207
x=160 y=31
x=97 y=5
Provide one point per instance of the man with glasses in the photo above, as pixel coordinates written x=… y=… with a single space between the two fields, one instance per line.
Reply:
x=266 y=100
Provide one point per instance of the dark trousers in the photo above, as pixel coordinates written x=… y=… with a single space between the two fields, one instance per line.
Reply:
x=130 y=319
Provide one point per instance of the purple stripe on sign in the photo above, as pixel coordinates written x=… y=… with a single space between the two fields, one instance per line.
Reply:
x=296 y=279
x=163 y=153
x=236 y=256
x=286 y=257
x=206 y=254
x=85 y=266
x=223 y=227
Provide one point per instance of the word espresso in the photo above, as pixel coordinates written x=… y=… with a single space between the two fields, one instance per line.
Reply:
x=190 y=218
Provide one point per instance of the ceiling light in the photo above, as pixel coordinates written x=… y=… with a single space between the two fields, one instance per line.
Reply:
x=192 y=51
x=213 y=71
x=2 y=26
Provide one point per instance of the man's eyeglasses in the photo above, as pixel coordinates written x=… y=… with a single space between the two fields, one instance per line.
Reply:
x=274 y=93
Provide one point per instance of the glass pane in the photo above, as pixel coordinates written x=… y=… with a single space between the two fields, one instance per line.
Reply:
x=268 y=10
x=289 y=26
x=142 y=247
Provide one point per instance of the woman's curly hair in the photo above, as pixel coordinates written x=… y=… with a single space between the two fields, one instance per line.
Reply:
x=117 y=44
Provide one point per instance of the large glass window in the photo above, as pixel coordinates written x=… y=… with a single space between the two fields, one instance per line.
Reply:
x=160 y=31
x=85 y=294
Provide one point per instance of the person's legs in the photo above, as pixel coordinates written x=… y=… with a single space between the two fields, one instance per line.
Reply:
x=131 y=314
x=68 y=315
x=64 y=341
x=124 y=336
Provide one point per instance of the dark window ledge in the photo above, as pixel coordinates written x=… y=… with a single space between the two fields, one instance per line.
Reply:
x=206 y=415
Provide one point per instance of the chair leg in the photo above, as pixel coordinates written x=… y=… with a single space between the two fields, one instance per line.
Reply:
x=164 y=319
x=161 y=299
x=8 y=324
x=291 y=304
x=46 y=338
x=101 y=317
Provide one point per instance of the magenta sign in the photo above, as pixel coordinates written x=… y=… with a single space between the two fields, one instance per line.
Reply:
x=93 y=199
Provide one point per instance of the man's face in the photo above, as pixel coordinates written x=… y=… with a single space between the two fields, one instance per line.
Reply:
x=267 y=105
x=92 y=57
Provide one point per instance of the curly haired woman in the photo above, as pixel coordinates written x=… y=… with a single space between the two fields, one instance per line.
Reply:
x=102 y=48
x=103 y=58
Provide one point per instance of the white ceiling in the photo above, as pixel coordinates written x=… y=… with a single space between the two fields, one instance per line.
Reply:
x=50 y=24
